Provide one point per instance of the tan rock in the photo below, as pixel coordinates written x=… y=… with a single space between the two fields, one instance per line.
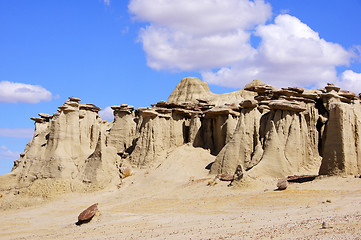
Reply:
x=286 y=105
x=38 y=119
x=331 y=87
x=287 y=132
x=45 y=115
x=74 y=99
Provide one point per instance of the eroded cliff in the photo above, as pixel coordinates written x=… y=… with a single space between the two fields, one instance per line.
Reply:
x=260 y=131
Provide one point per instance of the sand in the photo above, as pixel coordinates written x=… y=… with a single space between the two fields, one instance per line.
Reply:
x=173 y=201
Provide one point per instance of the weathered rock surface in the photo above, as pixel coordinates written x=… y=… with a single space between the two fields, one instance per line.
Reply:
x=88 y=213
x=282 y=184
x=260 y=131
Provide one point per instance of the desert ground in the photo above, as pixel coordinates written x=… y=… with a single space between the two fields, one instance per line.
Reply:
x=174 y=201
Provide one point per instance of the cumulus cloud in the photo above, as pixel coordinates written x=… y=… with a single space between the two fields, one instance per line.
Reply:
x=11 y=92
x=289 y=52
x=107 y=114
x=17 y=132
x=350 y=80
x=213 y=37
x=194 y=35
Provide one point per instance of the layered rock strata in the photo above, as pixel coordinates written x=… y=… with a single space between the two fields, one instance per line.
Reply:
x=260 y=130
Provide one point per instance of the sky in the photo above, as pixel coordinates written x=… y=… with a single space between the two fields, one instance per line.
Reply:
x=109 y=52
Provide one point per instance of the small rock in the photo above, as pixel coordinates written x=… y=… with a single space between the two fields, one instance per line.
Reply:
x=282 y=184
x=328 y=201
x=225 y=177
x=127 y=172
x=301 y=178
x=326 y=225
x=212 y=182
x=87 y=214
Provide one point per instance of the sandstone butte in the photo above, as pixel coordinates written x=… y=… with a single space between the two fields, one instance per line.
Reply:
x=259 y=131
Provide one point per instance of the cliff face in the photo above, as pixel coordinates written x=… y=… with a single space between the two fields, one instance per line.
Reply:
x=260 y=130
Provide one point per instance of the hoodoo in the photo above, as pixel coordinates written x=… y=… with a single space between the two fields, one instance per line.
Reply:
x=259 y=131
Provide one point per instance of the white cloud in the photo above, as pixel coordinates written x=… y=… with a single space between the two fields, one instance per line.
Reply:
x=290 y=52
x=107 y=2
x=17 y=132
x=194 y=35
x=6 y=154
x=3 y=148
x=11 y=92
x=350 y=80
x=213 y=37
x=107 y=114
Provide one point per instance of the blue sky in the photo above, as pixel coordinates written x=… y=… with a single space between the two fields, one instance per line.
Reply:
x=110 y=52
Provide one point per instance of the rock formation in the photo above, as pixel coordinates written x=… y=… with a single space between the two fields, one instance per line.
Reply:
x=259 y=131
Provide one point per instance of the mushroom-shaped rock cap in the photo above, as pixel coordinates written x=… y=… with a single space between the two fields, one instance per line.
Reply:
x=74 y=99
x=347 y=94
x=263 y=108
x=259 y=88
x=45 y=115
x=205 y=101
x=123 y=108
x=162 y=104
x=330 y=95
x=90 y=107
x=331 y=87
x=286 y=105
x=38 y=119
x=296 y=89
x=71 y=103
x=162 y=110
x=216 y=111
x=148 y=113
x=88 y=213
x=285 y=92
x=248 y=103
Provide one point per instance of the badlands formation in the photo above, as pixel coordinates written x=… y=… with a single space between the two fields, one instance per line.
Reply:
x=258 y=134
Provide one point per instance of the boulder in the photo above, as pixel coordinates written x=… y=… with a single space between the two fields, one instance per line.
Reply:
x=301 y=178
x=88 y=213
x=282 y=184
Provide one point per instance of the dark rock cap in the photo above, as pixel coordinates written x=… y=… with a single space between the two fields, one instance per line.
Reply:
x=74 y=99
x=248 y=103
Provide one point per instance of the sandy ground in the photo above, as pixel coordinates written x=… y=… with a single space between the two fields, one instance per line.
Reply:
x=154 y=204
